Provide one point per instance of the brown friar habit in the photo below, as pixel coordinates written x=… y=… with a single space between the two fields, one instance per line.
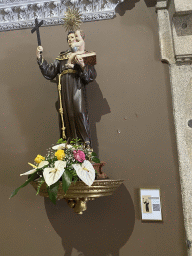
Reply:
x=72 y=94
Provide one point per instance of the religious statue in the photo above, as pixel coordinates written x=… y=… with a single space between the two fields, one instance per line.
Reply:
x=69 y=161
x=74 y=73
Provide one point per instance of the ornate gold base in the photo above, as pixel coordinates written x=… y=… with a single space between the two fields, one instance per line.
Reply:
x=79 y=193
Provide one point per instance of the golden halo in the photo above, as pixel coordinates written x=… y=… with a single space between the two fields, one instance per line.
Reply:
x=72 y=19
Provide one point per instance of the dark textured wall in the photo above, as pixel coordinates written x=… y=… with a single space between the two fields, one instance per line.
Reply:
x=131 y=94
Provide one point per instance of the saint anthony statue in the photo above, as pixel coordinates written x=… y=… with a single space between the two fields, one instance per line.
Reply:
x=72 y=80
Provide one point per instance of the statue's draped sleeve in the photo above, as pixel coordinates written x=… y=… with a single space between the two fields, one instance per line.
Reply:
x=88 y=74
x=49 y=71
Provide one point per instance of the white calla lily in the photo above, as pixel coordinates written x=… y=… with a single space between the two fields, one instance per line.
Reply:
x=85 y=172
x=62 y=146
x=41 y=165
x=52 y=175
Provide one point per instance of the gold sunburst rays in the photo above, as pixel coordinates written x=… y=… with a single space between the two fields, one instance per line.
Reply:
x=72 y=19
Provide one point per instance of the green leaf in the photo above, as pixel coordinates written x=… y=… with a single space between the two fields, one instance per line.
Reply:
x=94 y=154
x=75 y=141
x=39 y=185
x=60 y=141
x=24 y=184
x=66 y=180
x=96 y=160
x=36 y=176
x=52 y=191
x=75 y=179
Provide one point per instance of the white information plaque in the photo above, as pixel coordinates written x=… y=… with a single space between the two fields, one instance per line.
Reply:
x=150 y=204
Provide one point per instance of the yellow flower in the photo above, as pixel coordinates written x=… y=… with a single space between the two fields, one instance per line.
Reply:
x=60 y=154
x=39 y=158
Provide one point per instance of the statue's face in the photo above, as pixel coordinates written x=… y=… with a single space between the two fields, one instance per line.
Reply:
x=71 y=38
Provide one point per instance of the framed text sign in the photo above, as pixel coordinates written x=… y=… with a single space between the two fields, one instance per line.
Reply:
x=150 y=204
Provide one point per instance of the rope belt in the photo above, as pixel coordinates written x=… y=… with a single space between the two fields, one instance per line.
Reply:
x=66 y=71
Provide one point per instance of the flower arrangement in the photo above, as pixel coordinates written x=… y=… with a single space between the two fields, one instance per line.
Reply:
x=66 y=162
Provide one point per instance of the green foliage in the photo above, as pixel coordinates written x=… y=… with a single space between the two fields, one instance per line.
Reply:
x=36 y=176
x=24 y=184
x=75 y=141
x=60 y=141
x=66 y=180
x=72 y=171
x=41 y=181
x=51 y=162
x=93 y=154
x=52 y=191
x=75 y=179
x=95 y=160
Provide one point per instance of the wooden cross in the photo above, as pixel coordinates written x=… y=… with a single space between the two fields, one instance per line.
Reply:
x=36 y=28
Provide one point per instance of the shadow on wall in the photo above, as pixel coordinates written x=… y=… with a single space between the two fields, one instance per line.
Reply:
x=150 y=3
x=130 y=4
x=97 y=107
x=103 y=229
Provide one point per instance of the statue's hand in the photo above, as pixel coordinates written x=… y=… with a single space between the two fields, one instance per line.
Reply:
x=79 y=60
x=39 y=51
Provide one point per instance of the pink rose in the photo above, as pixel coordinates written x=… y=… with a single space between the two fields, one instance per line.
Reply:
x=79 y=155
